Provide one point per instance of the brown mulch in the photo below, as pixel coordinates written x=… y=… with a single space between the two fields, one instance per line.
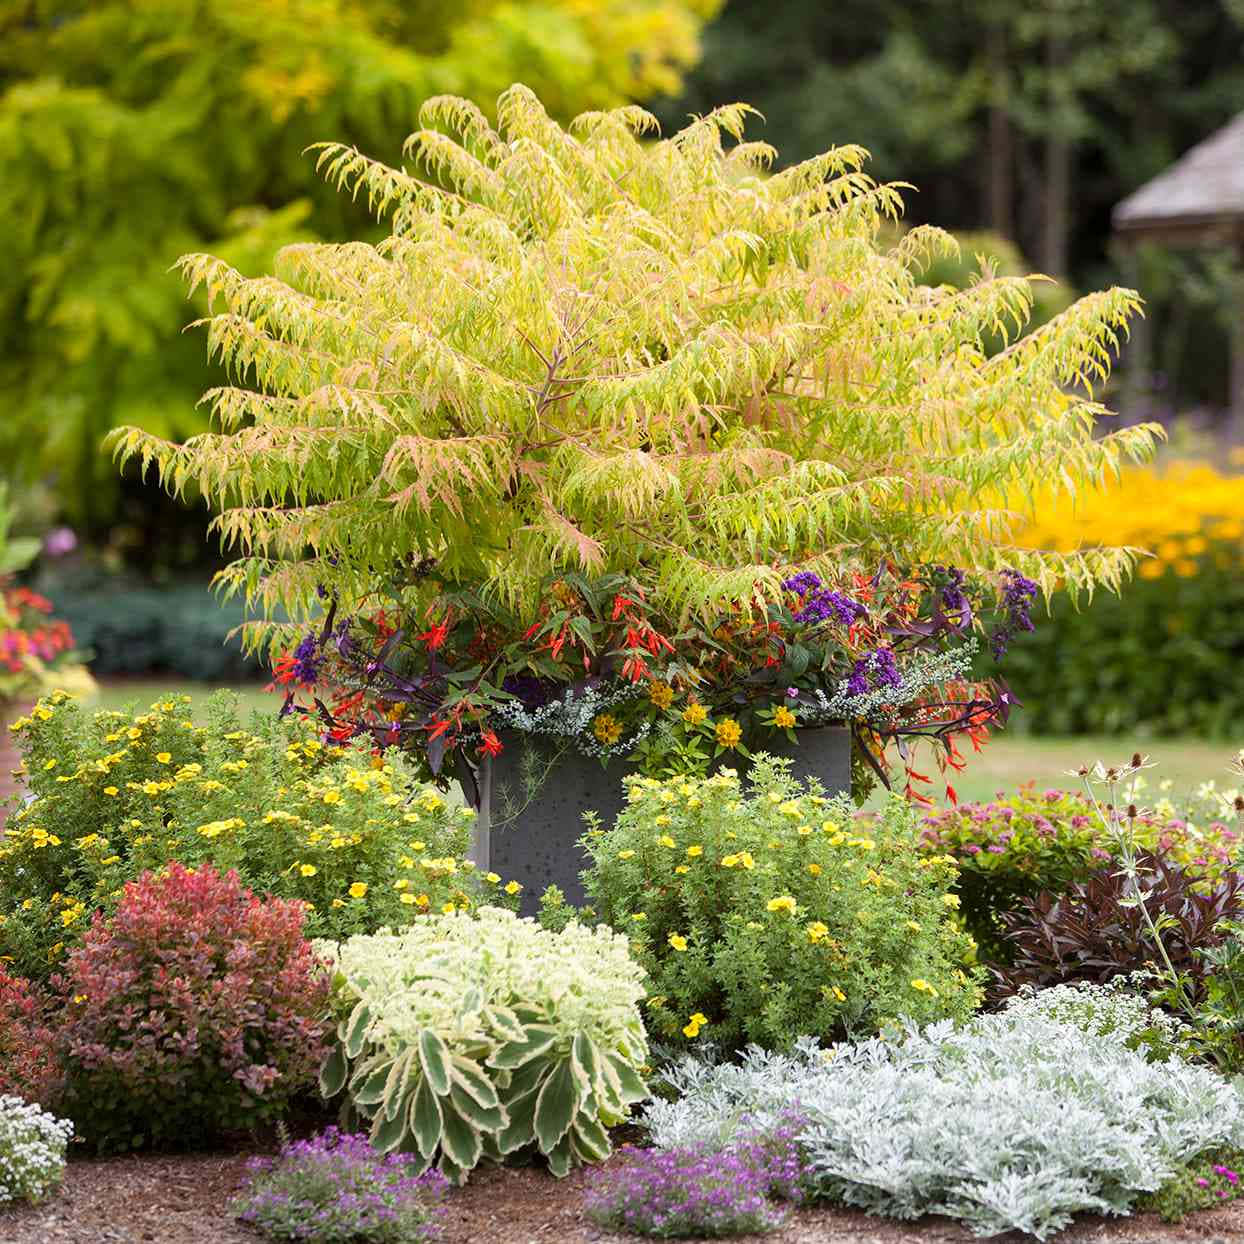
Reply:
x=182 y=1200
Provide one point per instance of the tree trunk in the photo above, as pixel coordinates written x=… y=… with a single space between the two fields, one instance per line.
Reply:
x=1056 y=197
x=1000 y=174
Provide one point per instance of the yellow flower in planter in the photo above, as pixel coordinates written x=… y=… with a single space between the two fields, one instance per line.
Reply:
x=728 y=733
x=512 y=887
x=695 y=851
x=661 y=694
x=308 y=870
x=693 y=1026
x=695 y=714
x=677 y=941
x=784 y=903
x=607 y=729
x=923 y=986
x=783 y=718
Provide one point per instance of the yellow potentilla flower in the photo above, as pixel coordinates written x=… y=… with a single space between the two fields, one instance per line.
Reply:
x=422 y=900
x=492 y=878
x=913 y=925
x=402 y=883
x=814 y=869
x=640 y=915
x=695 y=714
x=783 y=718
x=728 y=732
x=950 y=900
x=134 y=733
x=111 y=790
x=695 y=850
x=164 y=757
x=818 y=931
x=784 y=902
x=308 y=870
x=729 y=861
x=663 y=820
x=332 y=796
x=661 y=694
x=626 y=855
x=406 y=898
x=693 y=1026
x=666 y=841
x=682 y=868
x=923 y=986
x=842 y=997
x=358 y=890
x=51 y=764
x=745 y=859
x=677 y=941
x=448 y=909
x=607 y=729
x=512 y=887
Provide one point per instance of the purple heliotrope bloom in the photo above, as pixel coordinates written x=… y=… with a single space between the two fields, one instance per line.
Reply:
x=307 y=658
x=1017 y=596
x=873 y=671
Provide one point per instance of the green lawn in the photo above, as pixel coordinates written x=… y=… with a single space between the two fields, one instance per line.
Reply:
x=1006 y=761
x=1004 y=764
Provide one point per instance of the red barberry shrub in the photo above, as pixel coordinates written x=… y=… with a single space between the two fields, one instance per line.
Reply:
x=28 y=1065
x=196 y=1010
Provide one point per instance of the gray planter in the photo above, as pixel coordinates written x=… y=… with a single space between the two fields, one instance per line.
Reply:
x=531 y=800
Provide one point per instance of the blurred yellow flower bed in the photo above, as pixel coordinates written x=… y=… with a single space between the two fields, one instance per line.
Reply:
x=1181 y=511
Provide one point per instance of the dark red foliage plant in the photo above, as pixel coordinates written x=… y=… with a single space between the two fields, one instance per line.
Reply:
x=196 y=1010
x=1097 y=929
x=28 y=1066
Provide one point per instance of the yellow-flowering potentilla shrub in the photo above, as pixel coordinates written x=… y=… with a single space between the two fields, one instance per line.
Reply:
x=470 y=1040
x=768 y=912
x=1166 y=655
x=594 y=348
x=119 y=793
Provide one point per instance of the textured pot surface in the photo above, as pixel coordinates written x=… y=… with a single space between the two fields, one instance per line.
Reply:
x=534 y=800
x=533 y=796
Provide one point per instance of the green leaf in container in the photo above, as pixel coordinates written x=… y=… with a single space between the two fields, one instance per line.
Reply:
x=520 y=1130
x=486 y=1118
x=590 y=1137
x=633 y=1087
x=425 y=1118
x=371 y=1091
x=356 y=1030
x=434 y=1058
x=472 y=1078
x=556 y=1105
x=514 y=1054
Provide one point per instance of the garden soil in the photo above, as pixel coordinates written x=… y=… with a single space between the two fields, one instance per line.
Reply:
x=182 y=1200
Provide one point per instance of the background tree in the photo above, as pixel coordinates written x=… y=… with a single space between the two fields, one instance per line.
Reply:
x=1003 y=116
x=131 y=133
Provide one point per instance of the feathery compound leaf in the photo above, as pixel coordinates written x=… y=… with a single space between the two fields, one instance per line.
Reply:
x=580 y=351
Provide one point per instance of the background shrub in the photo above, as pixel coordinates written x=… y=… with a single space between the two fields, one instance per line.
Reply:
x=470 y=1039
x=1032 y=841
x=1175 y=637
x=1096 y=930
x=28 y=1065
x=119 y=793
x=768 y=913
x=181 y=629
x=32 y=1151
x=194 y=1011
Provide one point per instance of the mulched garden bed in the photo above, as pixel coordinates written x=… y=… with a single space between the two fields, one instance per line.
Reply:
x=181 y=1200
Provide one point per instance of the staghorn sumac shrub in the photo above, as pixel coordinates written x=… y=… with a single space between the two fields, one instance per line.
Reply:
x=195 y=1010
x=28 y=1066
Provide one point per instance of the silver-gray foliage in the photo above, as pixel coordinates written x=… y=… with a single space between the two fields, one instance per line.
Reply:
x=1014 y=1122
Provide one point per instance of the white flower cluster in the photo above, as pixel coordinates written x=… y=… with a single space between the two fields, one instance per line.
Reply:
x=571 y=717
x=447 y=972
x=1016 y=1121
x=32 y=1151
x=925 y=671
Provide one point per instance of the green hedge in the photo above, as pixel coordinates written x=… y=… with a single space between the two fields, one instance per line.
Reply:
x=1165 y=657
x=180 y=630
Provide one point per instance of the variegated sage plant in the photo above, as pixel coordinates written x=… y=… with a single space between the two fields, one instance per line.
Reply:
x=473 y=1039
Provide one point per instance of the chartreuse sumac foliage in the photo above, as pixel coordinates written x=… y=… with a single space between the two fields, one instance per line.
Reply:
x=766 y=913
x=1097 y=930
x=195 y=1010
x=470 y=1039
x=591 y=347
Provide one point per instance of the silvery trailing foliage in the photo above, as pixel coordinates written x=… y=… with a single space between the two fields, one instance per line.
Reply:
x=926 y=671
x=1014 y=1122
x=570 y=716
x=32 y=1151
x=472 y=1039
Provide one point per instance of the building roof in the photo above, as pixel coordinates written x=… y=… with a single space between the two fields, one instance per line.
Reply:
x=1200 y=198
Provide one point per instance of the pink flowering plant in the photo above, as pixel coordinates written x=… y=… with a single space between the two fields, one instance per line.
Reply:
x=1208 y=1182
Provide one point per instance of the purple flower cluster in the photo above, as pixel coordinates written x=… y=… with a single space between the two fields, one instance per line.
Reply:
x=1017 y=597
x=697 y=1191
x=336 y=1189
x=873 y=671
x=307 y=659
x=820 y=604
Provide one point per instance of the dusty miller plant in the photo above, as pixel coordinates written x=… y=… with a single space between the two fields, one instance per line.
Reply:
x=1016 y=1121
x=590 y=347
